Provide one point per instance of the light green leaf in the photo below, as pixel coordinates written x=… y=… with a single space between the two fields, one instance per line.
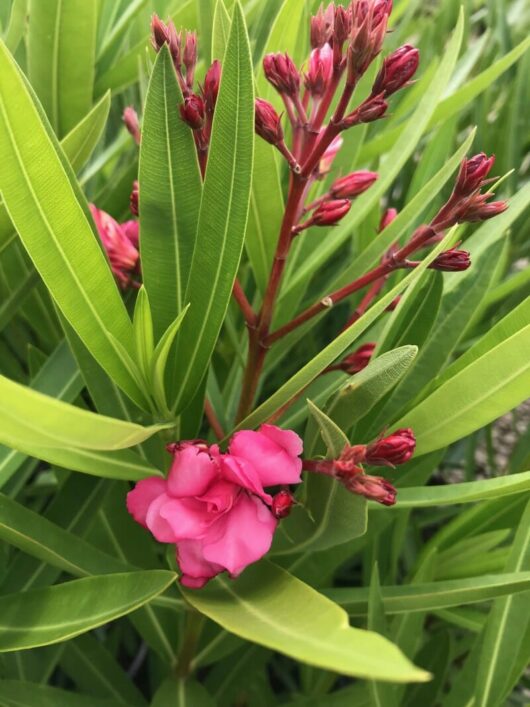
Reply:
x=44 y=205
x=143 y=330
x=334 y=438
x=480 y=393
x=14 y=693
x=269 y=606
x=433 y=595
x=220 y=30
x=223 y=215
x=170 y=195
x=467 y=492
x=61 y=58
x=160 y=356
x=382 y=694
x=24 y=411
x=43 y=616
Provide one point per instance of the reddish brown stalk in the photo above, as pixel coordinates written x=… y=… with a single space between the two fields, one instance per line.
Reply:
x=366 y=301
x=212 y=420
x=246 y=308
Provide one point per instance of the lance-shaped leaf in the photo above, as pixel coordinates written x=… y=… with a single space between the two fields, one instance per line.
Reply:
x=61 y=57
x=269 y=606
x=53 y=423
x=170 y=195
x=46 y=208
x=43 y=616
x=223 y=215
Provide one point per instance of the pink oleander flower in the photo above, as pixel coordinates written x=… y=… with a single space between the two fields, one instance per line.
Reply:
x=213 y=506
x=329 y=155
x=320 y=70
x=121 y=244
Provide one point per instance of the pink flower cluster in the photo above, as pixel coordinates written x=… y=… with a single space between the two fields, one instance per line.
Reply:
x=120 y=241
x=213 y=506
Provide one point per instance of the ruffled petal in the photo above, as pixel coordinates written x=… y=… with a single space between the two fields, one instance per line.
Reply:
x=243 y=536
x=196 y=571
x=272 y=452
x=240 y=471
x=186 y=517
x=192 y=472
x=142 y=495
x=158 y=525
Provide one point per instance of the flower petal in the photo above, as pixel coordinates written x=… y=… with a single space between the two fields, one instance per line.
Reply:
x=272 y=452
x=142 y=495
x=192 y=472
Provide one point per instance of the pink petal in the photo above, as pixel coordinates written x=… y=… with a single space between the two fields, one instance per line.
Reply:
x=158 y=525
x=220 y=496
x=240 y=471
x=272 y=452
x=130 y=230
x=191 y=473
x=142 y=495
x=187 y=518
x=196 y=571
x=245 y=535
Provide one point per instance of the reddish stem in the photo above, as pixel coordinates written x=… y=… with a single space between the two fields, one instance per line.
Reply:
x=212 y=420
x=245 y=306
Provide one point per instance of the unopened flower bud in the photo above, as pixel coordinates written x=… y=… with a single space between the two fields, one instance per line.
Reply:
x=372 y=109
x=161 y=34
x=375 y=488
x=485 y=211
x=322 y=26
x=397 y=70
x=395 y=449
x=387 y=218
x=451 y=261
x=353 y=184
x=359 y=359
x=342 y=25
x=210 y=88
x=330 y=212
x=329 y=155
x=267 y=122
x=130 y=119
x=472 y=173
x=320 y=70
x=189 y=57
x=282 y=502
x=134 y=198
x=282 y=73
x=192 y=111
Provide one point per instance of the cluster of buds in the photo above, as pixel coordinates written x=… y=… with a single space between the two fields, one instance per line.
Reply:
x=198 y=107
x=393 y=450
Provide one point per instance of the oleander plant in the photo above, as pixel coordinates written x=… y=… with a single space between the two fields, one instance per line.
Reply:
x=264 y=353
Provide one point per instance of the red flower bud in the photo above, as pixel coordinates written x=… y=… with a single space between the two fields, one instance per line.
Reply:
x=395 y=449
x=387 y=218
x=282 y=502
x=134 y=198
x=485 y=211
x=192 y=111
x=329 y=154
x=161 y=34
x=342 y=25
x=210 y=89
x=282 y=73
x=451 y=261
x=130 y=119
x=320 y=70
x=189 y=57
x=397 y=70
x=322 y=26
x=372 y=109
x=376 y=488
x=369 y=23
x=472 y=173
x=359 y=359
x=353 y=184
x=267 y=122
x=330 y=212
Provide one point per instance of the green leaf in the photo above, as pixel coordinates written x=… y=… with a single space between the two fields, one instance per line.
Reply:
x=61 y=57
x=40 y=538
x=269 y=606
x=505 y=627
x=334 y=438
x=44 y=205
x=170 y=195
x=331 y=352
x=223 y=215
x=480 y=393
x=433 y=595
x=160 y=356
x=77 y=146
x=14 y=693
x=220 y=30
x=24 y=411
x=468 y=492
x=43 y=616
x=381 y=693
x=184 y=693
x=143 y=330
